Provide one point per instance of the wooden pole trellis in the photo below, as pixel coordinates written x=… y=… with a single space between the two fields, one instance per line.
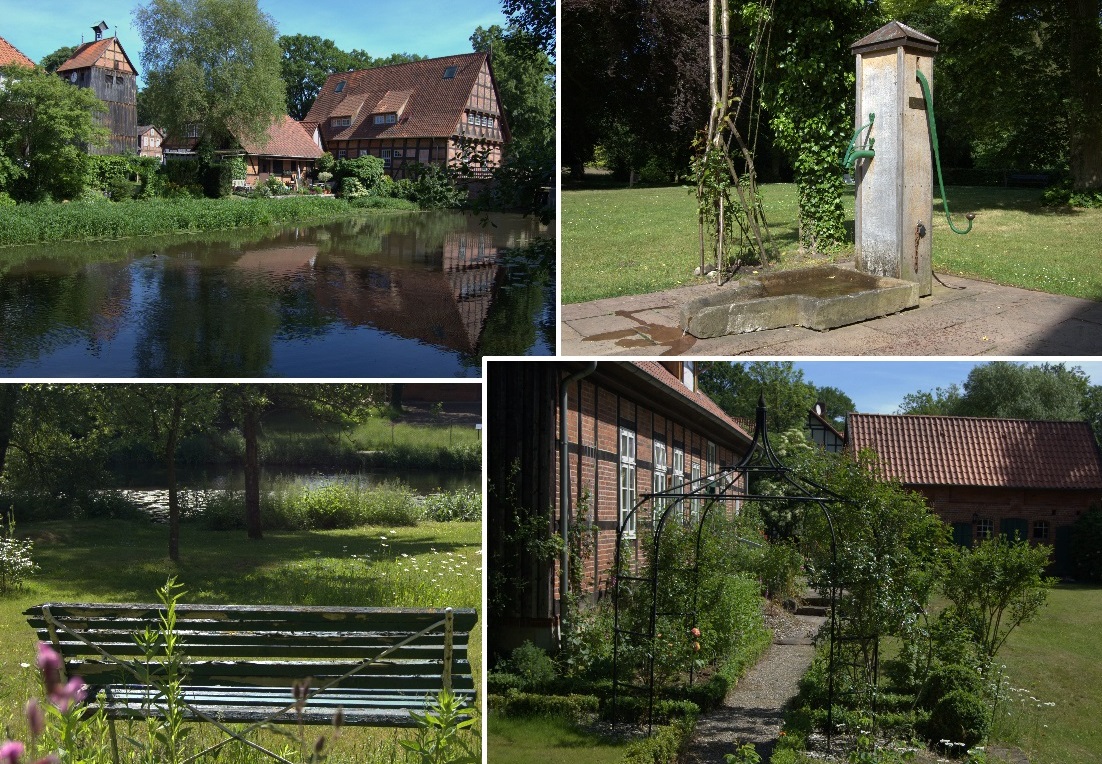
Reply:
x=716 y=170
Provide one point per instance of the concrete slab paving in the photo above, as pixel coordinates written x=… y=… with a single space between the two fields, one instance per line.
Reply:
x=980 y=318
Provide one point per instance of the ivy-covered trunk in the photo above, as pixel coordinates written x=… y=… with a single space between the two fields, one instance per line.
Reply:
x=810 y=99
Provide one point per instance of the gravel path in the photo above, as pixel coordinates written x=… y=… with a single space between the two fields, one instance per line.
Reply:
x=754 y=709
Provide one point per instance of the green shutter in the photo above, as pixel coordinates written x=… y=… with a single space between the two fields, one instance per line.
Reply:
x=962 y=534
x=1011 y=526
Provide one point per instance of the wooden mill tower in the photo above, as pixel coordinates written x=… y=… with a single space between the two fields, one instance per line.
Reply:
x=103 y=66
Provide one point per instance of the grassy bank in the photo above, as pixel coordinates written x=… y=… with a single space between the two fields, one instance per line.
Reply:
x=84 y=221
x=551 y=740
x=432 y=565
x=635 y=241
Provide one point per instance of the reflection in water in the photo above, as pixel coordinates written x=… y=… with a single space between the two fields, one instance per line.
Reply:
x=407 y=295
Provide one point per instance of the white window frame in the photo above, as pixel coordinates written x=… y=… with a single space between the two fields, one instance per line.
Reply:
x=985 y=529
x=341 y=153
x=688 y=374
x=661 y=467
x=712 y=464
x=391 y=119
x=341 y=122
x=628 y=490
x=398 y=154
x=379 y=119
x=695 y=485
x=677 y=476
x=386 y=154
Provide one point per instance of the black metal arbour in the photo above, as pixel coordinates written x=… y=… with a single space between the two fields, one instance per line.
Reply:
x=718 y=489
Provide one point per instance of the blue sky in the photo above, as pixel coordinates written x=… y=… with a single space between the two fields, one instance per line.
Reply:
x=429 y=27
x=878 y=387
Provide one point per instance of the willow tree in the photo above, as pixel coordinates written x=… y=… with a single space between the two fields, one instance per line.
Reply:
x=729 y=208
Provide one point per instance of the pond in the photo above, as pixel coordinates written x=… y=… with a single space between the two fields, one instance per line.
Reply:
x=380 y=295
x=148 y=488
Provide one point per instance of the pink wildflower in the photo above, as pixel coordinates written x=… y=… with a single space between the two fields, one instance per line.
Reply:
x=11 y=751
x=49 y=662
x=69 y=695
x=36 y=718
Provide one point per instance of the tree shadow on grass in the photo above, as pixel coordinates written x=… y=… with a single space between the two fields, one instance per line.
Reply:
x=127 y=561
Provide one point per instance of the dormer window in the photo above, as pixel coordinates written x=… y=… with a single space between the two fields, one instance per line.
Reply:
x=340 y=86
x=341 y=121
x=386 y=119
x=449 y=73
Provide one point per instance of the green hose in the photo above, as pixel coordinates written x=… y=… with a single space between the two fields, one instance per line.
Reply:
x=937 y=157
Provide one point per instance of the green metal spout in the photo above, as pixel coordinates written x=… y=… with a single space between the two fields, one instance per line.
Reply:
x=866 y=151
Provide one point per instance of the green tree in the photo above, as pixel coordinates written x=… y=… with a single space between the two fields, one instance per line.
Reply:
x=213 y=65
x=996 y=587
x=526 y=85
x=1055 y=79
x=1006 y=390
x=53 y=60
x=534 y=19
x=43 y=120
x=941 y=401
x=161 y=415
x=306 y=63
x=246 y=405
x=736 y=387
x=809 y=96
x=836 y=404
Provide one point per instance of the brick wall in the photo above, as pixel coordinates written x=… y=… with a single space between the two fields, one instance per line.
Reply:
x=593 y=427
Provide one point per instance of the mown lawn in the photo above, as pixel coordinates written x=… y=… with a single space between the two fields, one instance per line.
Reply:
x=634 y=241
x=547 y=740
x=1055 y=659
x=430 y=565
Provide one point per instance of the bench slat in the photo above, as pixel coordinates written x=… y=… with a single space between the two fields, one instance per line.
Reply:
x=264 y=650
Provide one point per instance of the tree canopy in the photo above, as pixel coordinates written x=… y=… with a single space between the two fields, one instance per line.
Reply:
x=211 y=65
x=1006 y=390
x=51 y=61
x=43 y=122
x=735 y=387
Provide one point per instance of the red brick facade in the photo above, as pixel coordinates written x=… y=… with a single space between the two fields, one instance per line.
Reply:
x=608 y=409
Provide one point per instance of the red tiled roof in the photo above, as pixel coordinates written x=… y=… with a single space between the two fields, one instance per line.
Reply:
x=89 y=53
x=967 y=451
x=10 y=55
x=433 y=107
x=663 y=375
x=286 y=138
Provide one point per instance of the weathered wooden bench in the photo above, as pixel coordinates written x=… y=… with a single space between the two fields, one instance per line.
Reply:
x=376 y=664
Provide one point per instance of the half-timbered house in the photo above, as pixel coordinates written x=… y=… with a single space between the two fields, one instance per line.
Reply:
x=433 y=111
x=103 y=66
x=150 y=140
x=629 y=429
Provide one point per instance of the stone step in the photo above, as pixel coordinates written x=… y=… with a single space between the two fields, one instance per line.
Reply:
x=819 y=611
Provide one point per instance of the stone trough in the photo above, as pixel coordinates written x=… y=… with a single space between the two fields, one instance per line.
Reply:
x=819 y=298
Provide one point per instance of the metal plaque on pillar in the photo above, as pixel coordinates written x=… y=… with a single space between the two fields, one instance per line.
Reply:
x=894 y=204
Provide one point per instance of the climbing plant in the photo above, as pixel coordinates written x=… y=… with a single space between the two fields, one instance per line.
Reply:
x=731 y=217
x=809 y=95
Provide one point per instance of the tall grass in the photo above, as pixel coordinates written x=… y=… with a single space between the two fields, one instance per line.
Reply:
x=78 y=221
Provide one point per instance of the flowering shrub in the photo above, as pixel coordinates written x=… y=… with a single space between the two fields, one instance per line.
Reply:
x=15 y=560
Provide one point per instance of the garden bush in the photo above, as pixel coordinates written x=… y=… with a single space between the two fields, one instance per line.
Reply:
x=532 y=664
x=948 y=678
x=664 y=746
x=779 y=569
x=574 y=707
x=960 y=717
